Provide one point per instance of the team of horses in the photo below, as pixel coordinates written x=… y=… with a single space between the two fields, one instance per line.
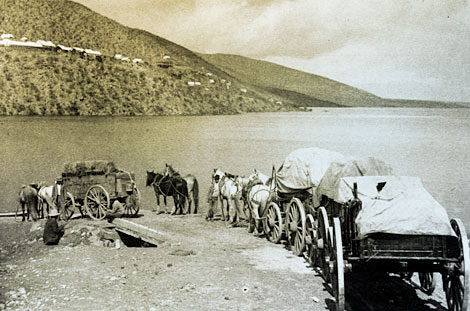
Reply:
x=245 y=197
x=182 y=188
x=240 y=197
x=36 y=201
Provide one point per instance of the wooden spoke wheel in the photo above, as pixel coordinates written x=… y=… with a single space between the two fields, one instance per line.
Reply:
x=273 y=223
x=97 y=202
x=296 y=230
x=337 y=265
x=132 y=203
x=323 y=254
x=427 y=282
x=311 y=250
x=457 y=281
x=251 y=220
x=69 y=206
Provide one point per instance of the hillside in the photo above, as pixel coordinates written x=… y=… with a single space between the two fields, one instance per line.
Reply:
x=268 y=75
x=46 y=82
x=169 y=79
x=309 y=90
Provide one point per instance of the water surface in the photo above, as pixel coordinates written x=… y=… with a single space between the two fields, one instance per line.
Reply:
x=430 y=143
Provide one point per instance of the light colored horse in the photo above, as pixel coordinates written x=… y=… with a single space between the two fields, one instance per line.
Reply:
x=230 y=191
x=264 y=178
x=259 y=189
x=46 y=201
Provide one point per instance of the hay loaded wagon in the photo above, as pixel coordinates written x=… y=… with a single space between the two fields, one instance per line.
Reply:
x=93 y=186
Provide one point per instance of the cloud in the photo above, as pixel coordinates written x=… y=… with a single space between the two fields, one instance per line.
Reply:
x=362 y=43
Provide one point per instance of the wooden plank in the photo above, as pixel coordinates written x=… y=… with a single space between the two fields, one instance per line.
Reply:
x=10 y=214
x=139 y=231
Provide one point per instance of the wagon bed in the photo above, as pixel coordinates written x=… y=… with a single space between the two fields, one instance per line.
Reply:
x=96 y=185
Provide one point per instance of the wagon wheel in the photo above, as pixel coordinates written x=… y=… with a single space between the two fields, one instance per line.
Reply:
x=427 y=282
x=311 y=250
x=337 y=265
x=273 y=223
x=296 y=226
x=323 y=253
x=97 y=202
x=457 y=281
x=132 y=203
x=251 y=221
x=69 y=206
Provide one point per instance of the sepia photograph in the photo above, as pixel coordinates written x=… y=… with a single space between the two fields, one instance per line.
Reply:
x=234 y=155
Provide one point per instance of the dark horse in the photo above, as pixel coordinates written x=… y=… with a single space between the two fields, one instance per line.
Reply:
x=192 y=184
x=165 y=185
x=28 y=197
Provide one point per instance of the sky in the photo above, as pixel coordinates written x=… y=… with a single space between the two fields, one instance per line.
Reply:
x=413 y=49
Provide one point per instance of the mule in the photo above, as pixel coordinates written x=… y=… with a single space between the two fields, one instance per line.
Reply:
x=28 y=198
x=193 y=187
x=229 y=191
x=173 y=186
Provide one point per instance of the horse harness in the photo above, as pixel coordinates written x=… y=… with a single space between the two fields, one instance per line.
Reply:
x=157 y=184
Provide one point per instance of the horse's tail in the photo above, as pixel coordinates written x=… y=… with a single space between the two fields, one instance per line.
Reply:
x=196 y=195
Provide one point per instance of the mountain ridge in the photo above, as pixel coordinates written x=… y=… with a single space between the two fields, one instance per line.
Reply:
x=171 y=80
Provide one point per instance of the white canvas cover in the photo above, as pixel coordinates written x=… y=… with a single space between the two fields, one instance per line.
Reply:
x=403 y=206
x=370 y=166
x=303 y=169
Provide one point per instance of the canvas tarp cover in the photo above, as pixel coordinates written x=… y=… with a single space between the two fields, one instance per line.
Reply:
x=86 y=167
x=403 y=206
x=369 y=166
x=303 y=169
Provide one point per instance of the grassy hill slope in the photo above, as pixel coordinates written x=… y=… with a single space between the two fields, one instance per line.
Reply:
x=38 y=81
x=270 y=75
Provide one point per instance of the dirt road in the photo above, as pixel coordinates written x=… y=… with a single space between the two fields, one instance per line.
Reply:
x=200 y=266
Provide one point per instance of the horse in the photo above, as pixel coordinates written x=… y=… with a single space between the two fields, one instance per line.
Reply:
x=46 y=196
x=257 y=194
x=28 y=198
x=165 y=185
x=230 y=191
x=193 y=187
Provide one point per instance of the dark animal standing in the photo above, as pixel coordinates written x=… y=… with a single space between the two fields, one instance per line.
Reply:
x=28 y=197
x=165 y=185
x=193 y=187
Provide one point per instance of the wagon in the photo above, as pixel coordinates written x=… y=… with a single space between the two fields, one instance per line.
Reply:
x=389 y=224
x=93 y=186
x=294 y=184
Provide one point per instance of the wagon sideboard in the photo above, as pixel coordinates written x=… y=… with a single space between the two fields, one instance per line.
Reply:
x=116 y=184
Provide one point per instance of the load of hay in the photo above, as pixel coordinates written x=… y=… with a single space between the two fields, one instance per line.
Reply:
x=89 y=167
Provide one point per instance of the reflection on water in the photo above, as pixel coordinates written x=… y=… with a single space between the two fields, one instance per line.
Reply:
x=429 y=143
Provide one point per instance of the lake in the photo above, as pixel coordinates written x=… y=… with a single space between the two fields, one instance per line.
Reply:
x=433 y=144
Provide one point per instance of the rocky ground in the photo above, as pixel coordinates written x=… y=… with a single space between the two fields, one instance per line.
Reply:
x=200 y=266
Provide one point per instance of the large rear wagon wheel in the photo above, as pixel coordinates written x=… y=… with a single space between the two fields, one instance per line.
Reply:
x=311 y=249
x=296 y=230
x=69 y=206
x=132 y=203
x=97 y=202
x=273 y=225
x=337 y=265
x=457 y=282
x=323 y=254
